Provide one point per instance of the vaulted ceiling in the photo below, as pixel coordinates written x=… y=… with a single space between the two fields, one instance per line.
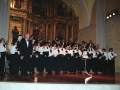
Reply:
x=83 y=9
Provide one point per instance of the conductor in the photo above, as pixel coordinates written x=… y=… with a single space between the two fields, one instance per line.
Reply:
x=25 y=54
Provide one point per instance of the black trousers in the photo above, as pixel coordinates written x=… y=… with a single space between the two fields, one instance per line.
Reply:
x=31 y=65
x=49 y=64
x=104 y=66
x=2 y=62
x=66 y=63
x=57 y=64
x=73 y=64
x=88 y=65
x=95 y=65
x=81 y=65
x=14 y=63
x=111 y=66
x=24 y=65
x=40 y=63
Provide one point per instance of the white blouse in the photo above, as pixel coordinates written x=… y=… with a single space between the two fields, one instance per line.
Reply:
x=13 y=50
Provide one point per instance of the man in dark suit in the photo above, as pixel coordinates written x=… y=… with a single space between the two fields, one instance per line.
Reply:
x=63 y=42
x=70 y=42
x=55 y=41
x=89 y=44
x=25 y=54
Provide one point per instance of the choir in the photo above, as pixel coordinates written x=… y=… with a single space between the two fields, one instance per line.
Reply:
x=56 y=56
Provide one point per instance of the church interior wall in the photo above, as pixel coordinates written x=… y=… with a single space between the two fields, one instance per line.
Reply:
x=113 y=38
x=112 y=30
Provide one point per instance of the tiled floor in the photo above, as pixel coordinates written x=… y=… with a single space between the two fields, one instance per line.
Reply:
x=64 y=78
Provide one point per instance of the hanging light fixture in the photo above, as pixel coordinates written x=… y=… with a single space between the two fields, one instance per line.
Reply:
x=112 y=13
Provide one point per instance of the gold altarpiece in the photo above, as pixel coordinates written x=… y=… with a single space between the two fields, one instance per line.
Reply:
x=51 y=17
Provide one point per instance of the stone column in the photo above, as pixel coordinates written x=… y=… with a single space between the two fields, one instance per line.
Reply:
x=67 y=33
x=51 y=31
x=46 y=35
x=72 y=29
x=54 y=31
x=29 y=27
x=100 y=23
x=24 y=27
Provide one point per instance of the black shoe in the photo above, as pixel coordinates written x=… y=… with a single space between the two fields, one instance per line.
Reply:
x=56 y=72
x=49 y=72
x=26 y=75
x=80 y=72
x=40 y=72
x=32 y=72
x=74 y=72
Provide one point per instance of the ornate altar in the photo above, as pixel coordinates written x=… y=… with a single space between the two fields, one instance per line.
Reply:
x=51 y=17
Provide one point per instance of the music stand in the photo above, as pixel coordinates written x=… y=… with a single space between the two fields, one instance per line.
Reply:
x=85 y=57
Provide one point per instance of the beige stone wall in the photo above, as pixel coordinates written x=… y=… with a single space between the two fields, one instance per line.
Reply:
x=93 y=14
x=113 y=38
x=88 y=33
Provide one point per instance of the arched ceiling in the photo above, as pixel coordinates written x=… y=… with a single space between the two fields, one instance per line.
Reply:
x=83 y=9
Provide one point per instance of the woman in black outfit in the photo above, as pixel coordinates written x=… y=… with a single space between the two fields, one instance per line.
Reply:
x=2 y=55
x=15 y=57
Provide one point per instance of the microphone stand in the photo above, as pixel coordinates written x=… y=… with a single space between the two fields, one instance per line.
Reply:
x=85 y=68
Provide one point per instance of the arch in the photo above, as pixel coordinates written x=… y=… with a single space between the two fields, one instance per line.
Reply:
x=93 y=14
x=83 y=10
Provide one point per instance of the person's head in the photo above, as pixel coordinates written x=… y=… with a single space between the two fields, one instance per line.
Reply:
x=62 y=46
x=27 y=36
x=15 y=43
x=59 y=41
x=103 y=50
x=82 y=49
x=31 y=37
x=50 y=46
x=111 y=50
x=67 y=47
x=44 y=45
x=71 y=39
x=49 y=40
x=63 y=39
x=97 y=46
x=2 y=40
x=95 y=49
x=73 y=47
x=83 y=42
x=56 y=38
x=91 y=46
x=90 y=41
x=38 y=44
x=54 y=45
x=47 y=44
x=76 y=40
x=40 y=41
x=58 y=47
x=88 y=49
x=80 y=46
